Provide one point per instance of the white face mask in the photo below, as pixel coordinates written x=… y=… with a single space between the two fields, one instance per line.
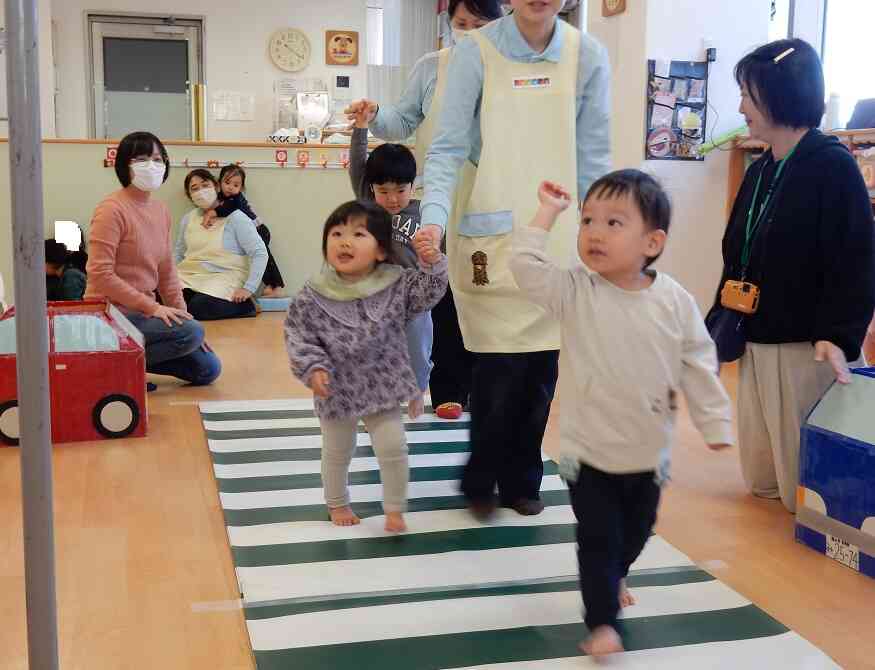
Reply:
x=458 y=35
x=149 y=175
x=205 y=198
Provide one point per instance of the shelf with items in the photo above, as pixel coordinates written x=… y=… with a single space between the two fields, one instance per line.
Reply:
x=745 y=150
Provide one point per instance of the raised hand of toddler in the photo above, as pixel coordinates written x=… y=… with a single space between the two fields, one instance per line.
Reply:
x=554 y=200
x=361 y=112
x=553 y=196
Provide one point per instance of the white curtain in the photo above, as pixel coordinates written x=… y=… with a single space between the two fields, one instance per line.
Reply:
x=409 y=31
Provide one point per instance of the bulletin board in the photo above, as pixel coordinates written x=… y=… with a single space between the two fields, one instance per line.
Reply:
x=677 y=109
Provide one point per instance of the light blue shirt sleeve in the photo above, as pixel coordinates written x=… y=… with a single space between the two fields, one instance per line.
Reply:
x=181 y=248
x=593 y=114
x=399 y=121
x=240 y=237
x=457 y=130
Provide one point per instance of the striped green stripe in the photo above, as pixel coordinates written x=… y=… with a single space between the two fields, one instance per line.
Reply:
x=314 y=480
x=256 y=517
x=468 y=539
x=636 y=579
x=532 y=643
x=255 y=433
x=269 y=414
x=314 y=454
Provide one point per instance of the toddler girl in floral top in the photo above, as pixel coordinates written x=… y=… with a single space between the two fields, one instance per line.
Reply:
x=345 y=334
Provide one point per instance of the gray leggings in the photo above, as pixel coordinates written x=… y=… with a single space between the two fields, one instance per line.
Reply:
x=390 y=445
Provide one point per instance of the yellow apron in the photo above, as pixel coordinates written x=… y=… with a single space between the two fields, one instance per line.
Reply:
x=204 y=249
x=528 y=123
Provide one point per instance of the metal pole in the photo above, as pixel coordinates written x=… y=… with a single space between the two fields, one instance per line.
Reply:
x=26 y=180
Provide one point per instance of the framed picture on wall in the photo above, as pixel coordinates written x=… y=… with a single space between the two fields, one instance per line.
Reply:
x=341 y=47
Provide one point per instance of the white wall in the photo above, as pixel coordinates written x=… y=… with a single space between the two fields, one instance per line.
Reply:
x=235 y=58
x=46 y=74
x=674 y=30
x=624 y=38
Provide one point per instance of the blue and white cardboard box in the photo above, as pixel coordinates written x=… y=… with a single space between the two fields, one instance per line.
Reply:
x=835 y=507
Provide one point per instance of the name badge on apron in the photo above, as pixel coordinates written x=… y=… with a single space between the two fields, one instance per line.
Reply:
x=532 y=82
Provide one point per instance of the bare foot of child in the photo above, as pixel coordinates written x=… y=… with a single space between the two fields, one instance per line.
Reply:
x=343 y=516
x=626 y=597
x=395 y=522
x=602 y=642
x=273 y=292
x=415 y=407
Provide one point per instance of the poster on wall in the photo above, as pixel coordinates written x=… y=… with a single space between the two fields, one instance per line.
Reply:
x=341 y=47
x=677 y=108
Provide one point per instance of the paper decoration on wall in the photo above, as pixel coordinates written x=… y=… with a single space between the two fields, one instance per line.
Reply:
x=341 y=47
x=677 y=101
x=286 y=92
x=233 y=106
x=313 y=109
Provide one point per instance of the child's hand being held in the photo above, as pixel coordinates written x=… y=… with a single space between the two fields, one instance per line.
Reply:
x=209 y=218
x=320 y=382
x=426 y=250
x=553 y=196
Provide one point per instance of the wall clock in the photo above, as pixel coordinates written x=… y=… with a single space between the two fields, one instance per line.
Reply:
x=289 y=49
x=613 y=7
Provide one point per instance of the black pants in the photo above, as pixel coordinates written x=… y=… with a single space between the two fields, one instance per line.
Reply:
x=451 y=376
x=615 y=517
x=205 y=307
x=510 y=405
x=272 y=275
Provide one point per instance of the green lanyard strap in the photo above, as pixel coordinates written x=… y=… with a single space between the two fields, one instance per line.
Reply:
x=753 y=225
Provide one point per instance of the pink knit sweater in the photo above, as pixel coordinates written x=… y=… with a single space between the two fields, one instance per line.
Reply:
x=129 y=253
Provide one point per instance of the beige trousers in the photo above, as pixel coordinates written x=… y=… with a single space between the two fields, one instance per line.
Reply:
x=390 y=446
x=778 y=385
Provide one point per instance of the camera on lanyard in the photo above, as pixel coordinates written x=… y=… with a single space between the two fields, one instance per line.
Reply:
x=742 y=296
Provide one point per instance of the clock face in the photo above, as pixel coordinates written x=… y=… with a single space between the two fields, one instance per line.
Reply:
x=289 y=49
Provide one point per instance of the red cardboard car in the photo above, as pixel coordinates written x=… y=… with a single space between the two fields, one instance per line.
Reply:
x=97 y=374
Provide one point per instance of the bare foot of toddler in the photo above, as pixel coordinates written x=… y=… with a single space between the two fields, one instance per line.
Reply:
x=395 y=522
x=626 y=597
x=415 y=407
x=343 y=516
x=602 y=642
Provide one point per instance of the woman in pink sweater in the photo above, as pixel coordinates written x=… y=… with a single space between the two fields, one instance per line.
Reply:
x=130 y=263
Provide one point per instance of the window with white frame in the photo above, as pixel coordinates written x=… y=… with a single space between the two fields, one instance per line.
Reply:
x=847 y=60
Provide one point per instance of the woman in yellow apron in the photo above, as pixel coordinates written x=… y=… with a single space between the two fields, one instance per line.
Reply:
x=527 y=99
x=220 y=266
x=417 y=111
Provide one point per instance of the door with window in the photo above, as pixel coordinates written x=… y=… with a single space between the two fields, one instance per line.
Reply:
x=145 y=71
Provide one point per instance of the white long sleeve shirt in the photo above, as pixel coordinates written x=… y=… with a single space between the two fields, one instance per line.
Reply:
x=625 y=356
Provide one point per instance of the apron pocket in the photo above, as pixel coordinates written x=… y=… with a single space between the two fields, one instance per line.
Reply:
x=486 y=225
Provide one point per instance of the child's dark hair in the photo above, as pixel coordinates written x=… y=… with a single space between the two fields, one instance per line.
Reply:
x=233 y=170
x=785 y=81
x=379 y=223
x=488 y=10
x=390 y=163
x=56 y=253
x=647 y=193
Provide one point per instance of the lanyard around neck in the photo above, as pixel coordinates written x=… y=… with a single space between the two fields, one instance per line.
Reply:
x=753 y=225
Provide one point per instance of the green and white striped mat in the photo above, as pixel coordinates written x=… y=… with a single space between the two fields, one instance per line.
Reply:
x=450 y=593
